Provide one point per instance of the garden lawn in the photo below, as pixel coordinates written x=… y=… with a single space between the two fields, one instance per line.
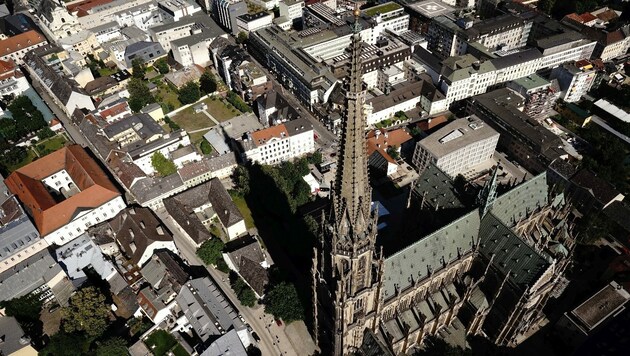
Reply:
x=164 y=94
x=189 y=121
x=52 y=144
x=179 y=351
x=160 y=342
x=219 y=110
x=241 y=204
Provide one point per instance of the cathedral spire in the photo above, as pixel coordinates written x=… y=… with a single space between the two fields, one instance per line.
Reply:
x=488 y=193
x=352 y=191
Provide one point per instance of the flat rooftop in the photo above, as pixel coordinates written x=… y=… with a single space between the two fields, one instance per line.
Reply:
x=431 y=8
x=601 y=305
x=457 y=134
x=532 y=81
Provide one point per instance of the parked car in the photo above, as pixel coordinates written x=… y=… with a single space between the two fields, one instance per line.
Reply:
x=256 y=337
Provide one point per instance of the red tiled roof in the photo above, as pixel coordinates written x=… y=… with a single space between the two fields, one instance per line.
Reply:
x=262 y=136
x=587 y=17
x=49 y=215
x=574 y=17
x=21 y=41
x=381 y=143
x=432 y=122
x=607 y=15
x=115 y=110
x=82 y=8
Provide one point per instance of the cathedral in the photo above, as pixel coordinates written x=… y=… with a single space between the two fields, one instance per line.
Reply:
x=484 y=263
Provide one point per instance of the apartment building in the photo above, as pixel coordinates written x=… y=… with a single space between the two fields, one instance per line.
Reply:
x=575 y=79
x=99 y=14
x=65 y=193
x=540 y=94
x=175 y=10
x=390 y=15
x=457 y=147
x=291 y=10
x=503 y=32
x=253 y=22
x=15 y=47
x=194 y=49
x=226 y=12
x=445 y=38
x=83 y=42
x=280 y=143
x=186 y=27
x=525 y=140
x=564 y=47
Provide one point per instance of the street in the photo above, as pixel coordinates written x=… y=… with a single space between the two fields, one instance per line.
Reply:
x=273 y=339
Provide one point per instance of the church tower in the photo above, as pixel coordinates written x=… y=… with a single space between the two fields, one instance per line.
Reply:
x=346 y=267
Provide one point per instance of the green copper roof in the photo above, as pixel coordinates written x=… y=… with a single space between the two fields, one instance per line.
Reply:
x=430 y=253
x=521 y=201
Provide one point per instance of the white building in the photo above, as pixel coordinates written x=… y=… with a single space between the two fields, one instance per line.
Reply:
x=575 y=79
x=253 y=22
x=175 y=10
x=186 y=27
x=89 y=196
x=291 y=9
x=142 y=16
x=390 y=15
x=280 y=143
x=14 y=48
x=267 y=4
x=457 y=147
x=104 y=13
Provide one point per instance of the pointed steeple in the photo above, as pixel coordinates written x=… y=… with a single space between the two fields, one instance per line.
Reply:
x=352 y=194
x=488 y=194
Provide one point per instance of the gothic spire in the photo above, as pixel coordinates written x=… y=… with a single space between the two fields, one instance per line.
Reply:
x=488 y=193
x=352 y=195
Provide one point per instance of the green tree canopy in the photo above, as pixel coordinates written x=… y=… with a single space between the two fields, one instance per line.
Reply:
x=238 y=103
x=282 y=302
x=241 y=37
x=139 y=94
x=112 y=347
x=240 y=177
x=64 y=344
x=210 y=251
x=162 y=165
x=207 y=83
x=26 y=119
x=138 y=68
x=245 y=294
x=189 y=93
x=161 y=65
x=86 y=312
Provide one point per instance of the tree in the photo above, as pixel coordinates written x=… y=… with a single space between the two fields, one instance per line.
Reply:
x=162 y=165
x=546 y=5
x=240 y=177
x=26 y=118
x=86 y=312
x=112 y=347
x=282 y=302
x=315 y=158
x=45 y=133
x=392 y=151
x=26 y=310
x=206 y=147
x=139 y=94
x=189 y=93
x=238 y=103
x=138 y=68
x=207 y=83
x=161 y=65
x=222 y=266
x=211 y=250
x=241 y=37
x=64 y=344
x=244 y=293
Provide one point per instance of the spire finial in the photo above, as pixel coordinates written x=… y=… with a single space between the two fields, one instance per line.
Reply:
x=356 y=26
x=488 y=194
